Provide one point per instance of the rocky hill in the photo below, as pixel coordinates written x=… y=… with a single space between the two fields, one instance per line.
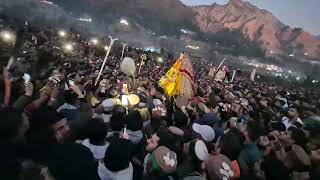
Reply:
x=257 y=25
x=168 y=16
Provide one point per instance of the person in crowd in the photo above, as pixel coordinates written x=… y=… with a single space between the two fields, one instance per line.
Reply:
x=204 y=133
x=134 y=127
x=195 y=153
x=116 y=163
x=48 y=139
x=13 y=126
x=219 y=167
x=69 y=109
x=161 y=163
x=104 y=110
x=293 y=118
x=96 y=141
x=250 y=154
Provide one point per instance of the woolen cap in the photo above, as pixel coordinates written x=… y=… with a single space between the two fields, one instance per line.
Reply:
x=219 y=167
x=164 y=160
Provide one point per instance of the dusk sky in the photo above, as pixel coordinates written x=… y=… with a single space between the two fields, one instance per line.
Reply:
x=296 y=13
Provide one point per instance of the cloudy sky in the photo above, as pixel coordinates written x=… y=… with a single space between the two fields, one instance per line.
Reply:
x=297 y=13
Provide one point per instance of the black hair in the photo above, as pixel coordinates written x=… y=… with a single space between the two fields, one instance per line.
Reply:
x=180 y=119
x=299 y=137
x=119 y=111
x=118 y=155
x=117 y=122
x=96 y=131
x=70 y=97
x=166 y=138
x=155 y=123
x=299 y=109
x=134 y=121
x=231 y=144
x=10 y=121
x=278 y=126
x=199 y=92
x=255 y=130
x=282 y=93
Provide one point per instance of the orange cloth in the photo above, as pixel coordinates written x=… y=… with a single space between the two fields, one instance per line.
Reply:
x=236 y=169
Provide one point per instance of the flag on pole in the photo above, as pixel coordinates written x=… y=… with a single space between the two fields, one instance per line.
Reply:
x=224 y=59
x=233 y=75
x=179 y=80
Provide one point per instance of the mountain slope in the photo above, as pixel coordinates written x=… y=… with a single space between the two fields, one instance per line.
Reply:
x=165 y=16
x=257 y=25
x=169 y=16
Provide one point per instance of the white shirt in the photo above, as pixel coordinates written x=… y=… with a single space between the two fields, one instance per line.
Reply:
x=97 y=151
x=105 y=174
x=288 y=123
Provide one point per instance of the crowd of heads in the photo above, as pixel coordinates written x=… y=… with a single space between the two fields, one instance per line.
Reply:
x=64 y=123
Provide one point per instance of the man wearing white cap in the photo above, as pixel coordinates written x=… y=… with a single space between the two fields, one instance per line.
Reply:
x=104 y=110
x=196 y=154
x=205 y=132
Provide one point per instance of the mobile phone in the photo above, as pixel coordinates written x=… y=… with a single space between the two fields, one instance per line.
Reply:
x=124 y=100
x=125 y=89
x=26 y=77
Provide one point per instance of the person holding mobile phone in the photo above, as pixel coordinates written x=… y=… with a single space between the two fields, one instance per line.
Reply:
x=250 y=154
x=69 y=109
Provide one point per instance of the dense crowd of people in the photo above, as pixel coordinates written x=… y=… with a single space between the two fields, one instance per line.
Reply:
x=59 y=124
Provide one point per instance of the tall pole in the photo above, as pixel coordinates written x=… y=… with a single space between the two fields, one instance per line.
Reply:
x=123 y=46
x=143 y=58
x=105 y=58
x=233 y=75
x=221 y=64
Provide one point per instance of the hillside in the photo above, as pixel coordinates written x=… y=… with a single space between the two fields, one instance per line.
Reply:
x=169 y=16
x=257 y=25
x=165 y=16
x=239 y=27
